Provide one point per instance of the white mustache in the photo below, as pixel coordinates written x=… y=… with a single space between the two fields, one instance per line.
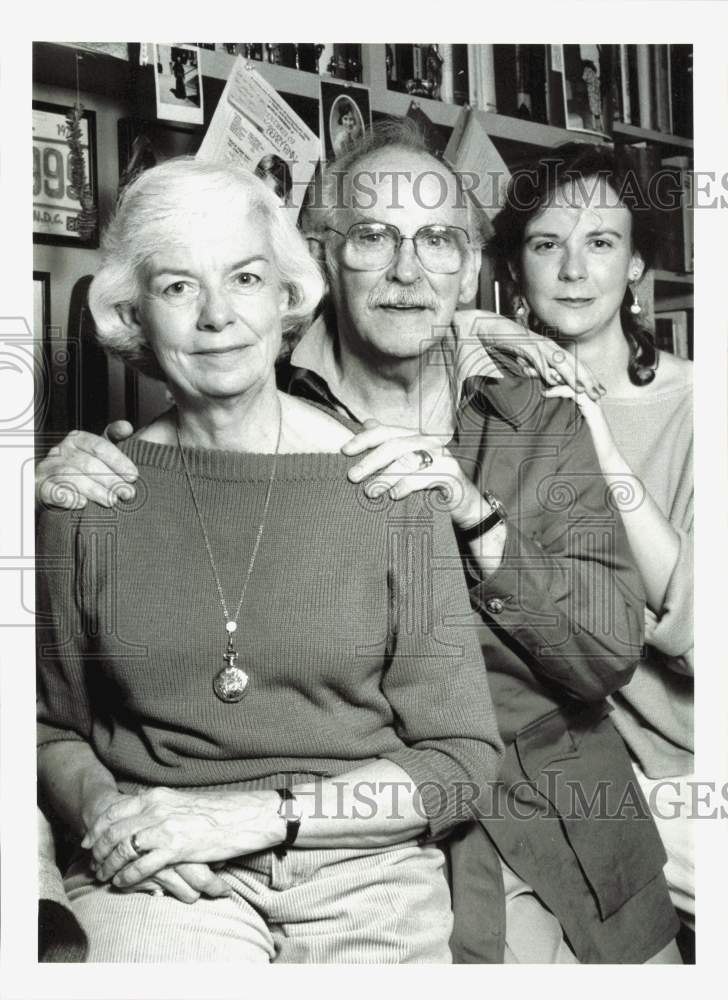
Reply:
x=402 y=298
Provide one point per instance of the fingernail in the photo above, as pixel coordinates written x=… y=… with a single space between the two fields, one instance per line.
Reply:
x=354 y=473
x=375 y=491
x=125 y=493
x=130 y=477
x=603 y=389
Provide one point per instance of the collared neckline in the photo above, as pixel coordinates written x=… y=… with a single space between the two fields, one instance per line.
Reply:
x=470 y=363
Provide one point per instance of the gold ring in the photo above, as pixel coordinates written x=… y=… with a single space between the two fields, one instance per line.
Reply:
x=135 y=845
x=425 y=458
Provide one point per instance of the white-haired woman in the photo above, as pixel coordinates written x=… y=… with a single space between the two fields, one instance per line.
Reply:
x=225 y=678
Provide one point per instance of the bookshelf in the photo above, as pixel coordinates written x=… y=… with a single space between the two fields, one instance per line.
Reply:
x=633 y=133
x=54 y=62
x=127 y=86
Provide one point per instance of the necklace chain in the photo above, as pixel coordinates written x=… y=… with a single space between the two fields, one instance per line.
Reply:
x=259 y=534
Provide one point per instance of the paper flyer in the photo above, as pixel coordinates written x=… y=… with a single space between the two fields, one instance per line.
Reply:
x=255 y=128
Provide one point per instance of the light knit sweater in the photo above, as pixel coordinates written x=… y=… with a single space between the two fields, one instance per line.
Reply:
x=350 y=631
x=654 y=713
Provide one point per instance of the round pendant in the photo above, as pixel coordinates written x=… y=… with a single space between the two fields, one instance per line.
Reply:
x=230 y=684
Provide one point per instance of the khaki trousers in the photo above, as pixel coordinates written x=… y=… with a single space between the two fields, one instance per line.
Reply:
x=383 y=905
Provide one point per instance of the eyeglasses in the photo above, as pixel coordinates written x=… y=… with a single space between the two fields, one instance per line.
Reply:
x=370 y=246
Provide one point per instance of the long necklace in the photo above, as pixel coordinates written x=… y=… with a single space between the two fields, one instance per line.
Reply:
x=230 y=683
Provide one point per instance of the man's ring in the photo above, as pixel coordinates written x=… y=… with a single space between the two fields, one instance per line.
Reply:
x=425 y=458
x=135 y=845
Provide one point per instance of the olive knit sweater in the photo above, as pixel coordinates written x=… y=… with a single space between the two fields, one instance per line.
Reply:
x=351 y=631
x=654 y=712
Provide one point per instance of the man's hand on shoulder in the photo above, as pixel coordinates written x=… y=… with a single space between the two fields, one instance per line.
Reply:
x=399 y=462
x=87 y=467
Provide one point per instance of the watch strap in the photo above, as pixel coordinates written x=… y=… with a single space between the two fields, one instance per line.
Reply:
x=496 y=515
x=292 y=825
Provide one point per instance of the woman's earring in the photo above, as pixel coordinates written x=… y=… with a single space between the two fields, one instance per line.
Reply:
x=635 y=308
x=521 y=308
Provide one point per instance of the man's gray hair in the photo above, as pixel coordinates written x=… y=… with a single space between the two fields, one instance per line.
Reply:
x=403 y=134
x=153 y=200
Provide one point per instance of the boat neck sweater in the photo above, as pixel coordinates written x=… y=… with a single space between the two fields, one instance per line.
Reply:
x=351 y=631
x=654 y=712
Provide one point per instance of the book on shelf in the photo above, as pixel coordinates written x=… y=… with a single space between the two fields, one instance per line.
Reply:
x=660 y=93
x=555 y=86
x=482 y=77
x=681 y=89
x=653 y=87
x=644 y=86
x=679 y=235
x=672 y=333
x=622 y=85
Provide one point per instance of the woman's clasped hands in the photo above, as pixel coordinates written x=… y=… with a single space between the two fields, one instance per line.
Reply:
x=140 y=836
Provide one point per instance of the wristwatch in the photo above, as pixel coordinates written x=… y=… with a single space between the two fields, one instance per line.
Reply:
x=290 y=811
x=496 y=515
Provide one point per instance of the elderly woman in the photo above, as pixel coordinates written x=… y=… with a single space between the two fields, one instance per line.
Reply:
x=250 y=666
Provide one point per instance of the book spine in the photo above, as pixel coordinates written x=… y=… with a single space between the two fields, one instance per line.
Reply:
x=556 y=96
x=446 y=88
x=644 y=86
x=482 y=77
x=624 y=81
x=661 y=115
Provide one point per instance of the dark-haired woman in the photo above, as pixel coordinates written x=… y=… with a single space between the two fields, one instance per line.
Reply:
x=575 y=257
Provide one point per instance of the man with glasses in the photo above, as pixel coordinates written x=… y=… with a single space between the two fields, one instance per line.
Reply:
x=559 y=600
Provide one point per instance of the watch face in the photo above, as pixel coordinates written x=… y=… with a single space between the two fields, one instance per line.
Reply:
x=495 y=504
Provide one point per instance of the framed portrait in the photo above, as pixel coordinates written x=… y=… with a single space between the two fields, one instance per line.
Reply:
x=56 y=203
x=584 y=99
x=346 y=116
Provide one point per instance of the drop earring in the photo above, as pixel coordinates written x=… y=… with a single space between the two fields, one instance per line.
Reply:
x=635 y=308
x=520 y=308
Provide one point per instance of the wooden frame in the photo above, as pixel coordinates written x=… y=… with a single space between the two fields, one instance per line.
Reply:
x=41 y=304
x=54 y=208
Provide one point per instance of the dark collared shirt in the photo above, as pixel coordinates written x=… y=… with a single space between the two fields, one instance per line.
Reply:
x=560 y=624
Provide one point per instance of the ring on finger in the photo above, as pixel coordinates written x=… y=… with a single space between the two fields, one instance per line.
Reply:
x=425 y=458
x=135 y=845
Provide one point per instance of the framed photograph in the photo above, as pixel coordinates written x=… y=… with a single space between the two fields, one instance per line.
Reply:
x=145 y=144
x=178 y=83
x=56 y=203
x=346 y=115
x=584 y=99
